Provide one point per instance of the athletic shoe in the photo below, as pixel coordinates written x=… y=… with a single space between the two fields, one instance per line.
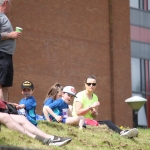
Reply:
x=130 y=133
x=57 y=141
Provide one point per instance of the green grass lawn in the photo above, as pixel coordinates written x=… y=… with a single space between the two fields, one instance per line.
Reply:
x=91 y=138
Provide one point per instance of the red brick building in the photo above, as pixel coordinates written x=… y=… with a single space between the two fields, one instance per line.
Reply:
x=65 y=41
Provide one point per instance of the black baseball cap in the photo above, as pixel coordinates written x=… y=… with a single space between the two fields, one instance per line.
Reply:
x=27 y=84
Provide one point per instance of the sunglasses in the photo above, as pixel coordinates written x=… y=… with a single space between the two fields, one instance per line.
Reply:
x=93 y=84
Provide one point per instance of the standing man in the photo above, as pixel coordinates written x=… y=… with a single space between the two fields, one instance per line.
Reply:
x=7 y=48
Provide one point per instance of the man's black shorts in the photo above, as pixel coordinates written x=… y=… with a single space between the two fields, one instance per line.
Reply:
x=6 y=69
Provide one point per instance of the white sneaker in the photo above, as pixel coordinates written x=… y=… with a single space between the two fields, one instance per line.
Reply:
x=130 y=133
x=57 y=141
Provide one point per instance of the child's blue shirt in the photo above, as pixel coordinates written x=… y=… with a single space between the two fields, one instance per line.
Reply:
x=48 y=101
x=30 y=107
x=59 y=104
x=56 y=106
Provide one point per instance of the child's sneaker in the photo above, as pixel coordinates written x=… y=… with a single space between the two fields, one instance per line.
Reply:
x=131 y=133
x=57 y=141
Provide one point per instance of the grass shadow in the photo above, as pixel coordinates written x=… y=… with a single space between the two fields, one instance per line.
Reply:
x=52 y=124
x=5 y=146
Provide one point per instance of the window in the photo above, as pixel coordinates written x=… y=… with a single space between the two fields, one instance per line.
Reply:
x=148 y=4
x=135 y=4
x=138 y=76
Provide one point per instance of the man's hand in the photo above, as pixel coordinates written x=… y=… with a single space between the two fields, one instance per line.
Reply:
x=14 y=35
x=15 y=104
x=11 y=35
x=20 y=106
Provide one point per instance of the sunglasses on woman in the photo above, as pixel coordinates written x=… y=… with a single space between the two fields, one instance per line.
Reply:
x=93 y=84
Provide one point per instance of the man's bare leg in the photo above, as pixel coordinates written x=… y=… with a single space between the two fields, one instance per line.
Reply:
x=27 y=125
x=1 y=93
x=5 y=93
x=7 y=120
x=22 y=125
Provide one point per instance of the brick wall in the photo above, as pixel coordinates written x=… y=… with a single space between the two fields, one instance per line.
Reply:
x=121 y=62
x=65 y=41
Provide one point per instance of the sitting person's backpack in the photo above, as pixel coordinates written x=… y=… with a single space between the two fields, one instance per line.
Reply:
x=7 y=108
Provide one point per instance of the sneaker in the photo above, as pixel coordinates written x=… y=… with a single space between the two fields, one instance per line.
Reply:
x=57 y=141
x=130 y=133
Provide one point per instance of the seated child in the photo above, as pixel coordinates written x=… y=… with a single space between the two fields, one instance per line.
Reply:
x=27 y=105
x=60 y=104
x=54 y=93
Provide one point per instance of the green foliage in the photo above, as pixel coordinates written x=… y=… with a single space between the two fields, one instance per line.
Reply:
x=90 y=138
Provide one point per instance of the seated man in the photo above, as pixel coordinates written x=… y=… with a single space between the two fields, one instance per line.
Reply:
x=21 y=124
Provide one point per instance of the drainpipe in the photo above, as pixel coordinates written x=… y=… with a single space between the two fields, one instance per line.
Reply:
x=111 y=60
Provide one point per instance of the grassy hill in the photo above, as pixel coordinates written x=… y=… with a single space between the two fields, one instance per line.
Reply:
x=91 y=138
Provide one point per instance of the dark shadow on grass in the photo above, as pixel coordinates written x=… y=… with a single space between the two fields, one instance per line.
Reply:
x=52 y=124
x=6 y=146
x=134 y=140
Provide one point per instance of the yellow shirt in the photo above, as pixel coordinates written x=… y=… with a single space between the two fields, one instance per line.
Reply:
x=81 y=97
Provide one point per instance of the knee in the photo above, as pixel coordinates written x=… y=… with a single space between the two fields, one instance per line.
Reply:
x=4 y=117
x=80 y=118
x=45 y=109
x=22 y=119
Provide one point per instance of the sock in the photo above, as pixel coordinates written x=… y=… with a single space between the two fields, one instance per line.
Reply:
x=44 y=140
x=39 y=138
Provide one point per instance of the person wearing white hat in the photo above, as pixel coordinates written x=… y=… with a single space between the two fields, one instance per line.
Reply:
x=62 y=106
